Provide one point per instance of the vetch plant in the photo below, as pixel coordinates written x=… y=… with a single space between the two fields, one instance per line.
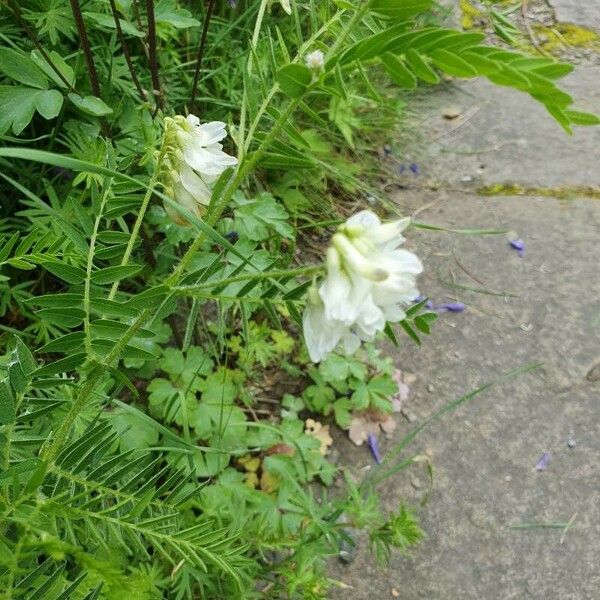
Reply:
x=155 y=396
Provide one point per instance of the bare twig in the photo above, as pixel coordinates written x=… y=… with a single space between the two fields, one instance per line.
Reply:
x=126 y=51
x=152 y=54
x=200 y=55
x=529 y=30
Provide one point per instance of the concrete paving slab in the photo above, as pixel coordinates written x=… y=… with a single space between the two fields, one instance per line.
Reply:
x=485 y=453
x=585 y=13
x=503 y=136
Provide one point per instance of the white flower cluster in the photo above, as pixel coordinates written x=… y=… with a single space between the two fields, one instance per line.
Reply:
x=193 y=160
x=315 y=60
x=369 y=278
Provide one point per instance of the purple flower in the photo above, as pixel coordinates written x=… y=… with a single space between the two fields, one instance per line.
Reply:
x=419 y=298
x=414 y=167
x=449 y=307
x=372 y=440
x=519 y=246
x=543 y=462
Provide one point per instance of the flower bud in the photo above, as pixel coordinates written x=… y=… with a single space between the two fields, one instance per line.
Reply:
x=315 y=60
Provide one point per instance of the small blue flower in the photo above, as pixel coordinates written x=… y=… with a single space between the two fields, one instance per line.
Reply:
x=414 y=167
x=519 y=246
x=449 y=307
x=374 y=446
x=543 y=462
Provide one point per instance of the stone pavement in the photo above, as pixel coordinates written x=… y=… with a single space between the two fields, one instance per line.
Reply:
x=585 y=13
x=484 y=454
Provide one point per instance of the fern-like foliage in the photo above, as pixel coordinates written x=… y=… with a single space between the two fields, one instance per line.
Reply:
x=97 y=506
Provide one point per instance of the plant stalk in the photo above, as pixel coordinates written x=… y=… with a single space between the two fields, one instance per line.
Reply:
x=85 y=46
x=200 y=55
x=152 y=54
x=138 y=222
x=126 y=53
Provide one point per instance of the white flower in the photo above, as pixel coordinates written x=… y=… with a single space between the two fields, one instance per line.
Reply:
x=369 y=280
x=193 y=159
x=285 y=4
x=315 y=60
x=321 y=334
x=187 y=189
x=199 y=144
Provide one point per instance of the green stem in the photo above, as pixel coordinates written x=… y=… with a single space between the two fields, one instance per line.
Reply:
x=8 y=433
x=89 y=267
x=138 y=222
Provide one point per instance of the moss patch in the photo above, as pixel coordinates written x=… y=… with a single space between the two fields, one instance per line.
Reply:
x=470 y=16
x=564 y=35
x=561 y=193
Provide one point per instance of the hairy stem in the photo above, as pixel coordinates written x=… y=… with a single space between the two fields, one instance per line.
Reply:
x=200 y=55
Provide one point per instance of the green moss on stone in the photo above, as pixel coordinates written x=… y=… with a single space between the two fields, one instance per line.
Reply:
x=469 y=14
x=561 y=193
x=563 y=35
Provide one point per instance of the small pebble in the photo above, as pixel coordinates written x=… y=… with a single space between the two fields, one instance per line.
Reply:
x=429 y=452
x=409 y=378
x=395 y=593
x=430 y=387
x=347 y=552
x=415 y=482
x=507 y=478
x=451 y=112
x=571 y=443
x=466 y=179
